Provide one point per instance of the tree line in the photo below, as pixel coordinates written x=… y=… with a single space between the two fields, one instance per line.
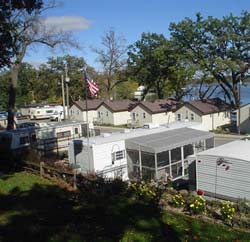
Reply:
x=202 y=51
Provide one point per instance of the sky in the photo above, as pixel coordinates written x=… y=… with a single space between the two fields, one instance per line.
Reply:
x=89 y=20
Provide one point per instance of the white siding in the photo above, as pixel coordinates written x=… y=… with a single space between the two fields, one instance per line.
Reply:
x=106 y=117
x=77 y=114
x=163 y=118
x=141 y=116
x=214 y=120
x=114 y=118
x=208 y=121
x=102 y=156
x=244 y=119
x=234 y=182
x=121 y=118
x=186 y=115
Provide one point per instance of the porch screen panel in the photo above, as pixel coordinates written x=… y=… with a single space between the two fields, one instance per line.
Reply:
x=163 y=158
x=188 y=150
x=148 y=159
x=175 y=155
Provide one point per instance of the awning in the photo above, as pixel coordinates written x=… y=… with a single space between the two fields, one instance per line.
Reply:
x=167 y=140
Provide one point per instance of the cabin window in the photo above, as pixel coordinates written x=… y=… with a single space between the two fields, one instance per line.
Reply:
x=107 y=113
x=144 y=115
x=76 y=130
x=178 y=117
x=133 y=115
x=186 y=114
x=77 y=112
x=192 y=116
x=63 y=134
x=23 y=140
x=118 y=155
x=99 y=114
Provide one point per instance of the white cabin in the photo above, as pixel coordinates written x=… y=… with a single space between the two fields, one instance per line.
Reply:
x=210 y=113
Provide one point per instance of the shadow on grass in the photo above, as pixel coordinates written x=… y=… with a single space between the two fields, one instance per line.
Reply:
x=49 y=213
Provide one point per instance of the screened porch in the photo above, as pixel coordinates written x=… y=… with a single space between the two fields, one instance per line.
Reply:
x=160 y=155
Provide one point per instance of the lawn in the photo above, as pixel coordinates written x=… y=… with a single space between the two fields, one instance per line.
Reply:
x=34 y=209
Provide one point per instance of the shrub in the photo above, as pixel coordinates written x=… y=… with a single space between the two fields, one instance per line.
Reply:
x=227 y=211
x=178 y=201
x=144 y=192
x=198 y=206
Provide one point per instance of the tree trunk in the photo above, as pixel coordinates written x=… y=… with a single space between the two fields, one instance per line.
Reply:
x=12 y=96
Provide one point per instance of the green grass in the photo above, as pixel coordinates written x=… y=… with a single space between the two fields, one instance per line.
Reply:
x=21 y=181
x=34 y=209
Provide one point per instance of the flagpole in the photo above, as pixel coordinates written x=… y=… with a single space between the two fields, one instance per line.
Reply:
x=87 y=118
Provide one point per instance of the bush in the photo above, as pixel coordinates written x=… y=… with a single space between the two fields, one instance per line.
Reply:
x=144 y=192
x=198 y=206
x=178 y=201
x=227 y=211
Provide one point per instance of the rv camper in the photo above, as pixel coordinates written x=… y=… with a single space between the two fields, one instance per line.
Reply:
x=16 y=139
x=45 y=112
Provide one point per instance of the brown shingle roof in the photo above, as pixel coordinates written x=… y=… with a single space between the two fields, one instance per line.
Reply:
x=159 y=106
x=208 y=106
x=119 y=105
x=92 y=104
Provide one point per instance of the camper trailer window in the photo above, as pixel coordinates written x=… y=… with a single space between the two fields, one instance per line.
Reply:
x=63 y=134
x=50 y=111
x=118 y=155
x=24 y=140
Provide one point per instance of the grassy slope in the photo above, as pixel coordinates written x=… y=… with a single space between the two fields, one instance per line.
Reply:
x=37 y=210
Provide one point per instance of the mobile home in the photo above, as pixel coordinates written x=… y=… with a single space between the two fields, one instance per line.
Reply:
x=140 y=153
x=224 y=171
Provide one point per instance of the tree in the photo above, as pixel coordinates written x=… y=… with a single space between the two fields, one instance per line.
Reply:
x=31 y=31
x=219 y=47
x=112 y=59
x=155 y=63
x=9 y=28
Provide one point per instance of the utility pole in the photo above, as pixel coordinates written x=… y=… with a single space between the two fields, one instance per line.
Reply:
x=63 y=97
x=239 y=107
x=67 y=80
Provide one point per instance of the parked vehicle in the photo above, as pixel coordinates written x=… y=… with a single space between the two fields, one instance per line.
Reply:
x=44 y=112
x=57 y=116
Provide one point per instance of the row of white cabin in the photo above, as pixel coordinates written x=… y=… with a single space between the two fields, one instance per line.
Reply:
x=210 y=113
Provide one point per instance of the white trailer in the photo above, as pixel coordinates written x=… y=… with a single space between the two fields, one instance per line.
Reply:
x=44 y=112
x=224 y=171
x=110 y=154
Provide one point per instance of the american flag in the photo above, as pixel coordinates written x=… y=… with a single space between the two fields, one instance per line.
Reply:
x=93 y=87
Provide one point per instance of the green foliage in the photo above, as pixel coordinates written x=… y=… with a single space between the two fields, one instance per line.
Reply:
x=156 y=63
x=144 y=192
x=227 y=211
x=9 y=25
x=178 y=201
x=198 y=206
x=219 y=48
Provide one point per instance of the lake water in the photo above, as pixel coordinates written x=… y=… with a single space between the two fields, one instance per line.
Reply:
x=245 y=94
